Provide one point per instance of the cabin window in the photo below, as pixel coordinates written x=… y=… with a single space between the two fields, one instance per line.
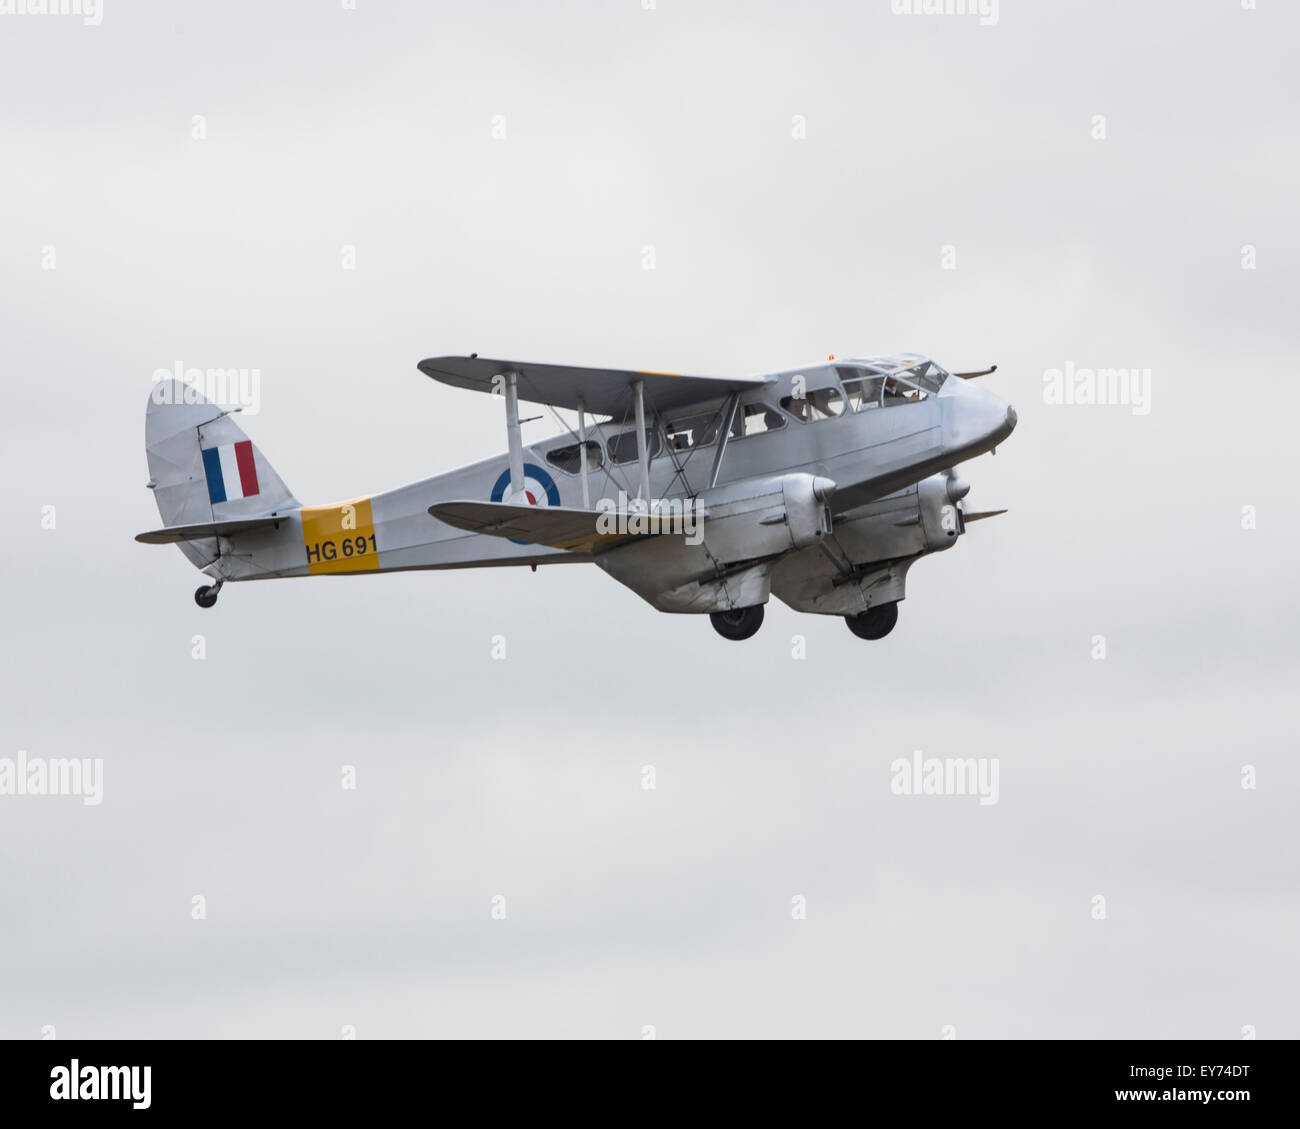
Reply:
x=825 y=403
x=756 y=419
x=864 y=393
x=622 y=447
x=569 y=460
x=695 y=431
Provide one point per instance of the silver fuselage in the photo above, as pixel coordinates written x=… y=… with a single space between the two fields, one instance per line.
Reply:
x=869 y=454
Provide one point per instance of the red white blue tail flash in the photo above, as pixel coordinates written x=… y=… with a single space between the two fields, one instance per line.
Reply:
x=230 y=471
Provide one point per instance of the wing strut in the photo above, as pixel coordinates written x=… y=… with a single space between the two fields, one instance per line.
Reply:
x=729 y=416
x=642 y=453
x=512 y=435
x=582 y=452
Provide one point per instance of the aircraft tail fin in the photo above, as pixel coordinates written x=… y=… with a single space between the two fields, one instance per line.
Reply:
x=203 y=469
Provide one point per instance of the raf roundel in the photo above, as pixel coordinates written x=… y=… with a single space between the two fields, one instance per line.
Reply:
x=539 y=490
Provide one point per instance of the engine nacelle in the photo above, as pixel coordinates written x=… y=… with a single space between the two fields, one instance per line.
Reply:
x=761 y=517
x=880 y=541
x=937 y=498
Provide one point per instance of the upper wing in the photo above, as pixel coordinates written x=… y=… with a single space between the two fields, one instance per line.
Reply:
x=602 y=391
x=560 y=527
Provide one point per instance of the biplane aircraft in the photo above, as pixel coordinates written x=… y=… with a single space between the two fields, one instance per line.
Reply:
x=821 y=486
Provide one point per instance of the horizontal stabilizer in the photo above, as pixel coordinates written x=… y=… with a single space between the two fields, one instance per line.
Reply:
x=560 y=527
x=174 y=534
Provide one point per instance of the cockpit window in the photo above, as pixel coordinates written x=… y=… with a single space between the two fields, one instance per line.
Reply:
x=898 y=391
x=919 y=371
x=569 y=460
x=927 y=375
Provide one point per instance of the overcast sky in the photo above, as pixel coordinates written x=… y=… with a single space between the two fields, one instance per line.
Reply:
x=803 y=173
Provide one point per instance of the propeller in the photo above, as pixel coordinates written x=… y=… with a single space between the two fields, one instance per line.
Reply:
x=958 y=488
x=973 y=375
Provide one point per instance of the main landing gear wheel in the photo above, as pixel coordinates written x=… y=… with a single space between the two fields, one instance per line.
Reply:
x=874 y=623
x=206 y=596
x=738 y=624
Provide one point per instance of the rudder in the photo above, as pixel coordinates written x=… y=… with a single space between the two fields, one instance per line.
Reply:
x=203 y=468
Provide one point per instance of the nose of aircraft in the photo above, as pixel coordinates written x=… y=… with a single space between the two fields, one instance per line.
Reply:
x=976 y=420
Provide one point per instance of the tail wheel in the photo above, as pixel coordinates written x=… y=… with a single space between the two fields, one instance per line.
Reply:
x=206 y=596
x=874 y=623
x=740 y=623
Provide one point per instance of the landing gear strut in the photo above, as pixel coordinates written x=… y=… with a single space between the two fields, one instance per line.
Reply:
x=874 y=623
x=206 y=596
x=739 y=623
